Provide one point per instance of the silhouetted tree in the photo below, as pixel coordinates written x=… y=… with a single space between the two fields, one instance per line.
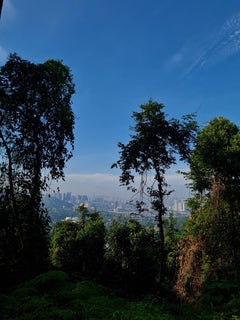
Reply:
x=153 y=149
x=36 y=140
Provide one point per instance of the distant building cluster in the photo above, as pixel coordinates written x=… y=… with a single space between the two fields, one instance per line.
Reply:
x=62 y=206
x=179 y=205
x=69 y=197
x=116 y=206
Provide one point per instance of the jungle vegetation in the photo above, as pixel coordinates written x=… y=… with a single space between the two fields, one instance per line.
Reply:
x=85 y=270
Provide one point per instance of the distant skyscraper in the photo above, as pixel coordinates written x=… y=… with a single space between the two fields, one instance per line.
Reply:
x=175 y=205
x=179 y=205
x=84 y=198
x=58 y=195
x=67 y=196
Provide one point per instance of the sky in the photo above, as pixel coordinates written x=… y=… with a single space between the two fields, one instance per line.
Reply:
x=184 y=54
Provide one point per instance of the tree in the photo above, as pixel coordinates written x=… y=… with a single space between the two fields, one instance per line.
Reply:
x=172 y=236
x=91 y=238
x=209 y=250
x=78 y=246
x=130 y=257
x=64 y=248
x=215 y=155
x=36 y=120
x=215 y=172
x=36 y=140
x=153 y=149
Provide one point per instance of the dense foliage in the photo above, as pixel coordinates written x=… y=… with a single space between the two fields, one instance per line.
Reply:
x=199 y=264
x=130 y=256
x=78 y=246
x=212 y=239
x=36 y=140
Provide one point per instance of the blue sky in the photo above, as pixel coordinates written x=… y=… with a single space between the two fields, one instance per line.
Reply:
x=185 y=54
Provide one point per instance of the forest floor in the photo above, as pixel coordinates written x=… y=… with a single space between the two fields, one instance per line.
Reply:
x=52 y=296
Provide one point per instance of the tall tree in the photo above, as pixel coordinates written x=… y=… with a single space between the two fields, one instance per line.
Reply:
x=36 y=121
x=36 y=136
x=153 y=149
x=215 y=172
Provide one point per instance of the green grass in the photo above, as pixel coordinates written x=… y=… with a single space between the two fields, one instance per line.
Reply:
x=52 y=296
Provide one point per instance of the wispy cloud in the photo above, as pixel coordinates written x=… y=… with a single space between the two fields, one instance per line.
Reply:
x=214 y=49
x=225 y=44
x=184 y=59
x=178 y=57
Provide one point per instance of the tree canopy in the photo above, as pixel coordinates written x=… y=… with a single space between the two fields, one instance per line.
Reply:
x=36 y=141
x=36 y=120
x=216 y=155
x=210 y=248
x=154 y=147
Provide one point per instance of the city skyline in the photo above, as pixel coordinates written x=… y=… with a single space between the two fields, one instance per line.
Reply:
x=101 y=203
x=108 y=185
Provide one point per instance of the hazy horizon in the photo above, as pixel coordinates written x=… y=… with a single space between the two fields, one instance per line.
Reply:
x=107 y=185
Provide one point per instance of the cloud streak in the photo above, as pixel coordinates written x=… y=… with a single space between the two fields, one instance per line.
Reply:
x=225 y=44
x=216 y=48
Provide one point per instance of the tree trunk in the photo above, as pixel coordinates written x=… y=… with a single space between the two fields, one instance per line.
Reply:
x=234 y=247
x=16 y=218
x=161 y=211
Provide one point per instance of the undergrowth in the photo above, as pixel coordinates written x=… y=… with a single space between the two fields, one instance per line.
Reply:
x=52 y=296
